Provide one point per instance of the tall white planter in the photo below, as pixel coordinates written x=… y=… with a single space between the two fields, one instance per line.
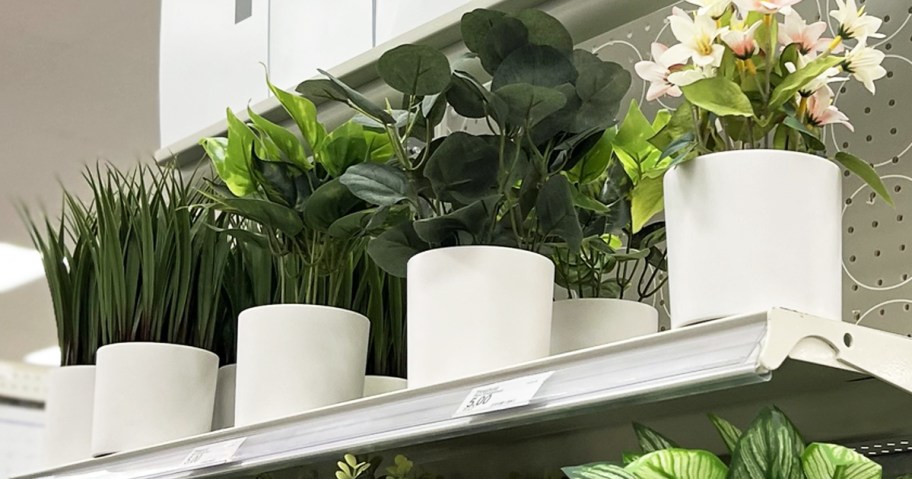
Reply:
x=751 y=230
x=589 y=322
x=377 y=385
x=223 y=414
x=296 y=357
x=150 y=393
x=473 y=309
x=68 y=415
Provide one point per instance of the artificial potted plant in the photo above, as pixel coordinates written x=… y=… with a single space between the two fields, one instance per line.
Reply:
x=771 y=447
x=481 y=207
x=620 y=263
x=753 y=204
x=71 y=387
x=313 y=343
x=157 y=267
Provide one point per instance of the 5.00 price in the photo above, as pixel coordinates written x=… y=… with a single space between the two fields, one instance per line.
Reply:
x=479 y=400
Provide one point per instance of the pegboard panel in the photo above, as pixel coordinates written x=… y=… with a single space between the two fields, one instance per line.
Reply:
x=877 y=239
x=22 y=382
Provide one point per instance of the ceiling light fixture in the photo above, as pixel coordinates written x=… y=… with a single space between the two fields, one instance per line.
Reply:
x=20 y=266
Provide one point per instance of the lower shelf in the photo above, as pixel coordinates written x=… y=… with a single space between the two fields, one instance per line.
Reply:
x=819 y=371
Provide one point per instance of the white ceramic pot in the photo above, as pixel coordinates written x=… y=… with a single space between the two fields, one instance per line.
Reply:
x=68 y=415
x=473 y=309
x=296 y=357
x=588 y=322
x=751 y=230
x=377 y=385
x=223 y=414
x=150 y=393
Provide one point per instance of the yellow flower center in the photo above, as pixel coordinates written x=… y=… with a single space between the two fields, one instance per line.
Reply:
x=704 y=45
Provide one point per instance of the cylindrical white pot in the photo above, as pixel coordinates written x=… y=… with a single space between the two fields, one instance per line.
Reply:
x=377 y=385
x=296 y=357
x=473 y=309
x=223 y=414
x=150 y=393
x=588 y=322
x=68 y=415
x=752 y=230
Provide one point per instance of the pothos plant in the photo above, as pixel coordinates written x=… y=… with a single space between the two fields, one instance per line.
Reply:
x=546 y=107
x=617 y=191
x=288 y=184
x=770 y=448
x=751 y=81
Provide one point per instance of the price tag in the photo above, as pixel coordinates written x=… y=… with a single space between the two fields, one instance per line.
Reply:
x=502 y=395
x=213 y=454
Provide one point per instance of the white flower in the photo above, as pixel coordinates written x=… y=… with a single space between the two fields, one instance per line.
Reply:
x=698 y=40
x=822 y=80
x=821 y=110
x=796 y=30
x=713 y=8
x=656 y=73
x=863 y=63
x=854 y=23
x=768 y=7
x=740 y=39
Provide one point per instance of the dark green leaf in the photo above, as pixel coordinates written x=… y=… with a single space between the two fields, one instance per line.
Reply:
x=466 y=97
x=505 y=36
x=769 y=449
x=264 y=212
x=530 y=104
x=463 y=168
x=286 y=142
x=556 y=214
x=360 y=102
x=415 y=70
x=473 y=220
x=328 y=203
x=475 y=26
x=546 y=30
x=720 y=96
x=535 y=65
x=322 y=90
x=866 y=172
x=600 y=86
x=378 y=184
x=392 y=249
x=597 y=471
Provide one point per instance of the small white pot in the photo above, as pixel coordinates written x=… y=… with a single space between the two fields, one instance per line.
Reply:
x=473 y=309
x=68 y=415
x=377 y=385
x=223 y=414
x=589 y=322
x=150 y=393
x=296 y=357
x=751 y=230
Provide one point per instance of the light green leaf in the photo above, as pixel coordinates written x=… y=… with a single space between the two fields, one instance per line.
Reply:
x=286 y=142
x=630 y=163
x=820 y=461
x=866 y=172
x=238 y=161
x=678 y=464
x=304 y=113
x=634 y=130
x=794 y=82
x=646 y=201
x=597 y=471
x=596 y=160
x=235 y=176
x=730 y=434
x=720 y=96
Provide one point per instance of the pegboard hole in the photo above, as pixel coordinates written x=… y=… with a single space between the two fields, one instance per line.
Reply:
x=893 y=131
x=854 y=287
x=907 y=307
x=847 y=339
x=899 y=218
x=880 y=283
x=874 y=224
x=889 y=73
x=892 y=102
x=867 y=110
x=897 y=188
x=902 y=247
x=852 y=259
x=869 y=138
x=845 y=144
x=882 y=312
x=848 y=201
x=851 y=229
x=877 y=253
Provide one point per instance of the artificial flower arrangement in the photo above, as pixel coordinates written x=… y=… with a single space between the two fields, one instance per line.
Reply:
x=751 y=81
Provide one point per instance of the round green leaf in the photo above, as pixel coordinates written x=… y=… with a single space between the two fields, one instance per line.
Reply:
x=475 y=26
x=546 y=30
x=463 y=168
x=378 y=184
x=600 y=86
x=328 y=203
x=535 y=65
x=415 y=70
x=530 y=104
x=506 y=35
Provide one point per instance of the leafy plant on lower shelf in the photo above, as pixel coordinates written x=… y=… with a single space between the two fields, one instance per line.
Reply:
x=288 y=185
x=350 y=467
x=770 y=448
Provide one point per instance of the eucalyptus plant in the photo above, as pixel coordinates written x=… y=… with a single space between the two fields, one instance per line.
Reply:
x=771 y=447
x=546 y=107
x=288 y=185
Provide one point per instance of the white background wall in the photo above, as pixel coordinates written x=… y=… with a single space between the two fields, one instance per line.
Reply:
x=209 y=62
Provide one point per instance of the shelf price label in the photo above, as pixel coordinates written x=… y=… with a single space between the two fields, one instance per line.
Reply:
x=503 y=395
x=213 y=454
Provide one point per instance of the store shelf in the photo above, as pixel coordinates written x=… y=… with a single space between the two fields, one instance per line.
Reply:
x=722 y=357
x=585 y=19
